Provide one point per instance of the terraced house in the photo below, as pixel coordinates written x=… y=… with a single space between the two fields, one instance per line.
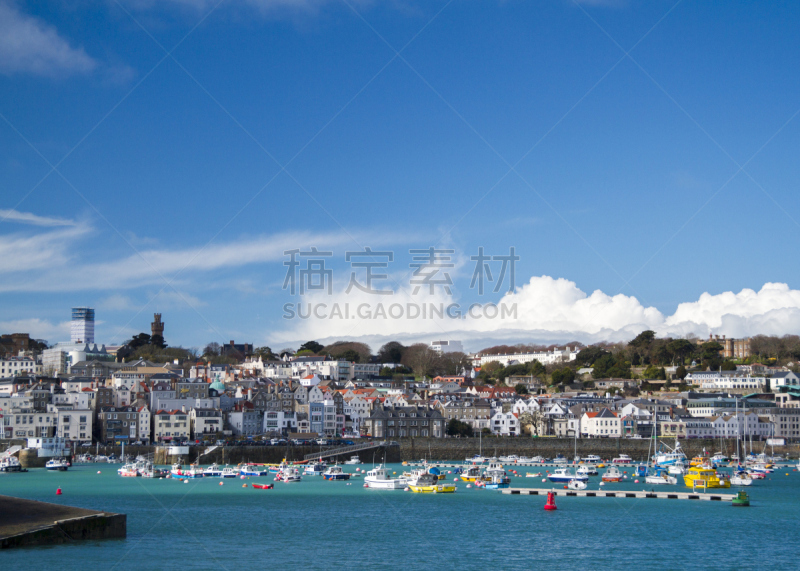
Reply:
x=401 y=422
x=170 y=425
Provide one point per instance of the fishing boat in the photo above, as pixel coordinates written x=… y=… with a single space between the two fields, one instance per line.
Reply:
x=413 y=476
x=592 y=459
x=193 y=471
x=429 y=484
x=477 y=459
x=213 y=471
x=152 y=472
x=263 y=486
x=354 y=459
x=511 y=459
x=59 y=464
x=676 y=469
x=577 y=485
x=560 y=459
x=622 y=459
x=701 y=477
x=612 y=475
x=335 y=472
x=229 y=472
x=378 y=478
x=315 y=469
x=176 y=469
x=254 y=470
x=289 y=474
x=10 y=464
x=564 y=475
x=128 y=471
x=471 y=474
x=667 y=456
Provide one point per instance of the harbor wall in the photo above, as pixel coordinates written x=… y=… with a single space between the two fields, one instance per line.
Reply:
x=454 y=449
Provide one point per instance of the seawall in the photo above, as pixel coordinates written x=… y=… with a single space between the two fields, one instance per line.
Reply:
x=25 y=523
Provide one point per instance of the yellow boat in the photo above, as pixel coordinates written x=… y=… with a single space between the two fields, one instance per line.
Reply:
x=472 y=474
x=427 y=484
x=704 y=478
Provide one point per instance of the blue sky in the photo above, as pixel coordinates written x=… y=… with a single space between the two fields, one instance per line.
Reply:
x=641 y=157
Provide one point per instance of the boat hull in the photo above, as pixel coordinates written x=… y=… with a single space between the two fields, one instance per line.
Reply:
x=336 y=476
x=438 y=489
x=385 y=484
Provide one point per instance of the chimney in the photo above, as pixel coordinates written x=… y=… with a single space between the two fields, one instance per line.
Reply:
x=183 y=408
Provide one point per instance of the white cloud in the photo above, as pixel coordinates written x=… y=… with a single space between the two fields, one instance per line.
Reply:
x=33 y=219
x=556 y=310
x=28 y=45
x=48 y=251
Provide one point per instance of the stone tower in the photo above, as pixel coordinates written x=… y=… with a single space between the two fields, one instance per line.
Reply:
x=157 y=327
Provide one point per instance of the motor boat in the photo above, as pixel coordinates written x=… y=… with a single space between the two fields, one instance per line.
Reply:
x=612 y=475
x=741 y=479
x=592 y=459
x=560 y=459
x=588 y=470
x=471 y=474
x=494 y=480
x=59 y=464
x=263 y=486
x=193 y=471
x=315 y=469
x=661 y=477
x=213 y=471
x=428 y=483
x=335 y=473
x=229 y=472
x=254 y=470
x=565 y=475
x=10 y=464
x=288 y=474
x=622 y=459
x=379 y=479
x=354 y=459
x=576 y=485
x=128 y=471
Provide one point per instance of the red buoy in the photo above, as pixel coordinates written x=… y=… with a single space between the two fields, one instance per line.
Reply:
x=551 y=502
x=58 y=492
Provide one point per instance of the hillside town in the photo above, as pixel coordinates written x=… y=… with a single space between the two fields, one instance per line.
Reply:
x=84 y=392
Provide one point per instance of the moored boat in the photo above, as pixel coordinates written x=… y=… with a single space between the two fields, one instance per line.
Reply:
x=612 y=475
x=577 y=485
x=564 y=475
x=701 y=477
x=213 y=471
x=128 y=471
x=59 y=464
x=315 y=469
x=335 y=472
x=378 y=478
x=288 y=474
x=622 y=459
x=471 y=474
x=263 y=486
x=254 y=470
x=10 y=464
x=353 y=460
x=429 y=484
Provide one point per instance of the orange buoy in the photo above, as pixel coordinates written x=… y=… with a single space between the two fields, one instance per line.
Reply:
x=58 y=492
x=565 y=487
x=551 y=502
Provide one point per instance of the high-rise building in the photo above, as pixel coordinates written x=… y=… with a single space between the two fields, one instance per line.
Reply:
x=82 y=330
x=157 y=327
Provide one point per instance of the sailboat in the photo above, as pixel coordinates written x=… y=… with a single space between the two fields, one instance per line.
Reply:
x=659 y=474
x=740 y=477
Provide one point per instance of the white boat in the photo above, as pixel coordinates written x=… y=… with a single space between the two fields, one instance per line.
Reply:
x=354 y=459
x=59 y=464
x=667 y=456
x=10 y=464
x=512 y=459
x=592 y=459
x=379 y=479
x=193 y=472
x=494 y=467
x=564 y=475
x=560 y=459
x=229 y=472
x=100 y=458
x=622 y=459
x=413 y=476
x=576 y=485
x=537 y=460
x=661 y=477
x=477 y=459
x=254 y=470
x=288 y=474
x=588 y=470
x=494 y=480
x=741 y=479
x=213 y=471
x=315 y=469
x=128 y=471
x=676 y=469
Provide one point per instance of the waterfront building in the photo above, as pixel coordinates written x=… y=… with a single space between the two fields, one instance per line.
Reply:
x=602 y=424
x=400 y=422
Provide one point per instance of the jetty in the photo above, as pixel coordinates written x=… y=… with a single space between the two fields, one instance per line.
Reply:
x=25 y=523
x=707 y=496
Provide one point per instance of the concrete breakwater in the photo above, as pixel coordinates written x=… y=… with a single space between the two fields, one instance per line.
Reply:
x=26 y=523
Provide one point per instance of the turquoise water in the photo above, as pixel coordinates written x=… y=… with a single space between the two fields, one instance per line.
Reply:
x=317 y=524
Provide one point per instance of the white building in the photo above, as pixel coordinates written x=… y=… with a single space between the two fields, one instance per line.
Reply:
x=602 y=424
x=14 y=366
x=170 y=425
x=144 y=424
x=553 y=357
x=725 y=383
x=82 y=326
x=279 y=421
x=505 y=424
x=60 y=357
x=73 y=425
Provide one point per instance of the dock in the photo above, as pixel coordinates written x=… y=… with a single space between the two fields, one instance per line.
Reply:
x=711 y=497
x=25 y=523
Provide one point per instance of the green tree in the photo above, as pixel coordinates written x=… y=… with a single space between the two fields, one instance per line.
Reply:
x=728 y=366
x=391 y=352
x=312 y=346
x=521 y=389
x=536 y=369
x=562 y=376
x=680 y=372
x=644 y=339
x=158 y=341
x=457 y=428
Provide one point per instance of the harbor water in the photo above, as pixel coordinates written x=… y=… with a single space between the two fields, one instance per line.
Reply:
x=318 y=524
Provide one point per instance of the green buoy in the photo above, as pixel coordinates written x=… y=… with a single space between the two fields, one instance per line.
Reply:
x=741 y=500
